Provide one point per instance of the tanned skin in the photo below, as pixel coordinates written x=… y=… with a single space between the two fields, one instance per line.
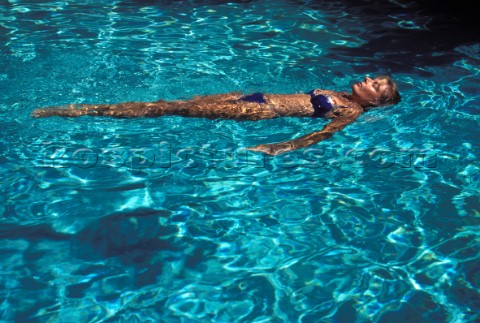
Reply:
x=230 y=106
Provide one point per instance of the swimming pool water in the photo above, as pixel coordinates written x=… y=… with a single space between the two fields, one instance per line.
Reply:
x=168 y=219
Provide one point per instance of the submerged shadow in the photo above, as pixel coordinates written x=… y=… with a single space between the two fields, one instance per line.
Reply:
x=139 y=241
x=403 y=35
x=182 y=2
x=427 y=33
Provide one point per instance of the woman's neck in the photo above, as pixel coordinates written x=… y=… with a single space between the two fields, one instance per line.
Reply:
x=348 y=100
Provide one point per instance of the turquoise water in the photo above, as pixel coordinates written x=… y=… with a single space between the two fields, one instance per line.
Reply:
x=169 y=220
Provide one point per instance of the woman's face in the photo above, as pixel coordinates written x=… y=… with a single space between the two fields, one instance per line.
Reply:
x=370 y=90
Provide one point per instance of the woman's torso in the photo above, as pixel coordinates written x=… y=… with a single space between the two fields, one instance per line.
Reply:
x=258 y=106
x=318 y=104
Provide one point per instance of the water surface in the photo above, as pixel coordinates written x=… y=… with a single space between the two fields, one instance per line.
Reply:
x=167 y=219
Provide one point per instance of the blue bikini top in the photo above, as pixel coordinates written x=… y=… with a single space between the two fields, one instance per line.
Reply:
x=321 y=103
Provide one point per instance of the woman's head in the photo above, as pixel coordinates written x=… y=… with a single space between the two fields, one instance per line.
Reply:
x=376 y=92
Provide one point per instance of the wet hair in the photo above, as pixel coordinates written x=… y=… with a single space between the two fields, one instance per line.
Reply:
x=389 y=96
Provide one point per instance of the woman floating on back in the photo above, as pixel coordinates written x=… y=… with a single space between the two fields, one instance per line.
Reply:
x=342 y=107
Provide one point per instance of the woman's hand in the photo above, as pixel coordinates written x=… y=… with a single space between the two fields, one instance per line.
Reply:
x=273 y=149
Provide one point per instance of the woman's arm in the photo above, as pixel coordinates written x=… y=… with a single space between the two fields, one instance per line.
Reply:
x=335 y=125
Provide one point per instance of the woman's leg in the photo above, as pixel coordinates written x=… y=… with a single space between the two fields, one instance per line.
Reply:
x=120 y=110
x=222 y=106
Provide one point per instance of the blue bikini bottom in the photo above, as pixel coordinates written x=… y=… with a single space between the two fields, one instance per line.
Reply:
x=255 y=97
